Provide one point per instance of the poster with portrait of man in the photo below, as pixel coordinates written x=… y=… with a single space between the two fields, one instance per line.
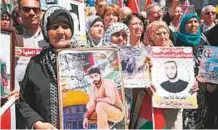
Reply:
x=209 y=64
x=173 y=77
x=135 y=67
x=90 y=89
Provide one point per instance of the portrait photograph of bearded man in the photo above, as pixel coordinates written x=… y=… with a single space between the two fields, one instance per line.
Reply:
x=173 y=84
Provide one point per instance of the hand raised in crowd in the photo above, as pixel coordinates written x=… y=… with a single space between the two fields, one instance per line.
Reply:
x=43 y=125
x=85 y=123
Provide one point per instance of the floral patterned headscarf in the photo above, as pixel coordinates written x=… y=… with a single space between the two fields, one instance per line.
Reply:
x=151 y=29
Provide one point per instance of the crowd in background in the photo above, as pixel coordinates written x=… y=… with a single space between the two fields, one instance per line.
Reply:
x=107 y=24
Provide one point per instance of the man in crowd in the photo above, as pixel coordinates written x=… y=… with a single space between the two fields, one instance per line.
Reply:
x=124 y=12
x=208 y=14
x=174 y=84
x=154 y=12
x=99 y=7
x=31 y=37
x=30 y=13
x=104 y=100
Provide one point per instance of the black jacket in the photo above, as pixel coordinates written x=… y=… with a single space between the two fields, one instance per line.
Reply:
x=212 y=35
x=34 y=104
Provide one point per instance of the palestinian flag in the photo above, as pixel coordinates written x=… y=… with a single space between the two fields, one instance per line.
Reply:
x=134 y=5
x=149 y=117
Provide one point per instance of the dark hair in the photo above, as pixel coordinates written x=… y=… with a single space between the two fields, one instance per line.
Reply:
x=15 y=14
x=4 y=13
x=19 y=1
x=169 y=2
x=130 y=17
x=94 y=70
x=171 y=61
x=139 y=16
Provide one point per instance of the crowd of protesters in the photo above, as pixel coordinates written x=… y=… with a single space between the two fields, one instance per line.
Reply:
x=107 y=25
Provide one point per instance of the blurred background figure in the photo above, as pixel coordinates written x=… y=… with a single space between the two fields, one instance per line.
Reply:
x=90 y=11
x=111 y=15
x=99 y=7
x=171 y=5
x=176 y=18
x=5 y=20
x=208 y=14
x=124 y=12
x=17 y=20
x=154 y=12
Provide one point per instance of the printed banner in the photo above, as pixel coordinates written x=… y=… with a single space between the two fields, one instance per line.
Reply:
x=209 y=64
x=22 y=58
x=173 y=77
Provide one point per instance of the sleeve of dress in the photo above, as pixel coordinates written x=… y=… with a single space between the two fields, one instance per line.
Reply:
x=29 y=115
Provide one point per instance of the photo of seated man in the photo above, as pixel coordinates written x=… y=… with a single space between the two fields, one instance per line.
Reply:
x=105 y=101
x=173 y=84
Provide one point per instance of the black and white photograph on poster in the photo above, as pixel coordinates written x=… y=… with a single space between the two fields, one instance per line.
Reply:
x=91 y=91
x=174 y=83
x=135 y=67
x=77 y=10
x=173 y=77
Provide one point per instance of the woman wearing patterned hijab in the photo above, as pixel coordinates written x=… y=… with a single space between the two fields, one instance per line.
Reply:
x=38 y=102
x=158 y=34
x=117 y=34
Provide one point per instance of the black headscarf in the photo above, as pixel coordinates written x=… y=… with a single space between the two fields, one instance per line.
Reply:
x=54 y=15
